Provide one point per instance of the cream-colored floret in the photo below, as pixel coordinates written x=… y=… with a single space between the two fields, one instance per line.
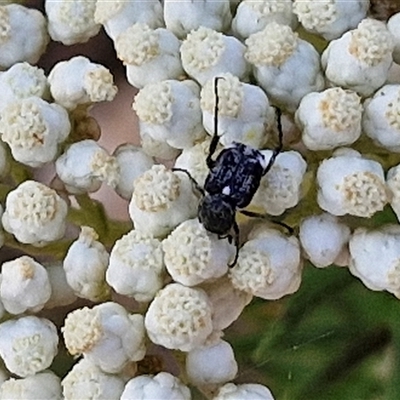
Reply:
x=253 y=16
x=136 y=266
x=246 y=391
x=33 y=129
x=71 y=22
x=106 y=335
x=35 y=214
x=118 y=15
x=329 y=119
x=179 y=317
x=381 y=118
x=28 y=344
x=23 y=35
x=206 y=53
x=351 y=184
x=269 y=265
x=193 y=255
x=79 y=81
x=96 y=383
x=25 y=285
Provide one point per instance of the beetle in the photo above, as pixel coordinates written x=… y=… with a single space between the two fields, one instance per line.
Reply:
x=233 y=179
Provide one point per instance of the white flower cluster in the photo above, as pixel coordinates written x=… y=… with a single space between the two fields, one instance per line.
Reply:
x=167 y=279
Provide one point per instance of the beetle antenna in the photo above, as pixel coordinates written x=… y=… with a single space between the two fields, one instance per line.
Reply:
x=278 y=149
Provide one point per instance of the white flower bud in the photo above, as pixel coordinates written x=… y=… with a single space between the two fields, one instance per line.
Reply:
x=193 y=255
x=329 y=119
x=136 y=266
x=286 y=67
x=85 y=377
x=160 y=386
x=35 y=214
x=71 y=22
x=269 y=265
x=206 y=53
x=324 y=239
x=61 y=293
x=280 y=188
x=179 y=318
x=211 y=365
x=170 y=111
x=361 y=58
x=85 y=165
x=118 y=15
x=23 y=35
x=85 y=266
x=106 y=334
x=246 y=391
x=330 y=18
x=44 y=386
x=393 y=184
x=381 y=119
x=253 y=16
x=149 y=55
x=28 y=344
x=244 y=113
x=157 y=148
x=185 y=16
x=375 y=258
x=161 y=200
x=227 y=301
x=22 y=80
x=393 y=26
x=33 y=129
x=132 y=162
x=24 y=286
x=79 y=81
x=351 y=184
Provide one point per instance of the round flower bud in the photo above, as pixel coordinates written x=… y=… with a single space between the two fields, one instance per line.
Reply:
x=381 y=119
x=331 y=18
x=35 y=214
x=24 y=286
x=212 y=364
x=43 y=385
x=23 y=35
x=161 y=200
x=246 y=391
x=393 y=26
x=185 y=16
x=106 y=335
x=33 y=129
x=71 y=22
x=244 y=113
x=361 y=58
x=280 y=188
x=269 y=265
x=149 y=55
x=28 y=345
x=393 y=184
x=85 y=165
x=286 y=67
x=96 y=383
x=351 y=184
x=85 y=266
x=193 y=255
x=136 y=266
x=118 y=15
x=157 y=148
x=253 y=16
x=324 y=239
x=79 y=81
x=179 y=318
x=160 y=386
x=206 y=53
x=329 y=119
x=375 y=258
x=169 y=111
x=22 y=80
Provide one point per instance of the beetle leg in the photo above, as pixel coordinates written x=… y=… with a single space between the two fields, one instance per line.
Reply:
x=278 y=148
x=195 y=184
x=268 y=218
x=215 y=138
x=236 y=238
